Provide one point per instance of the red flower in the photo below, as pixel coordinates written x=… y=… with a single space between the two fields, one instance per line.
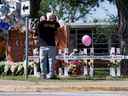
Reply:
x=75 y=62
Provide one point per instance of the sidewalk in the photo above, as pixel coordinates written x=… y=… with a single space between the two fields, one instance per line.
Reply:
x=28 y=86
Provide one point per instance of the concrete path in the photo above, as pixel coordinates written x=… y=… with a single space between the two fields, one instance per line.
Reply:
x=58 y=85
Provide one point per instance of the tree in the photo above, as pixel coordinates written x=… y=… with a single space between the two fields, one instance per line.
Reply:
x=122 y=7
x=44 y=7
x=68 y=10
x=73 y=10
x=34 y=7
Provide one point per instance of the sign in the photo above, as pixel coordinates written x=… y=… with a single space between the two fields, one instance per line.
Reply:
x=4 y=25
x=25 y=8
x=82 y=57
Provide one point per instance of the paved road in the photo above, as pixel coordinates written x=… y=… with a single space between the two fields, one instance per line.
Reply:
x=89 y=93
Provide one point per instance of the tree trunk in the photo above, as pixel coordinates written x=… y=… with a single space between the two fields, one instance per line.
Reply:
x=122 y=7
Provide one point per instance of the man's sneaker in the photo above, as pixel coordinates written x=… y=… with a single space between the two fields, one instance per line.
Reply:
x=49 y=75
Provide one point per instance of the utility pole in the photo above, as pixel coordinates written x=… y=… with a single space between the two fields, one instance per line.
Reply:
x=26 y=49
x=25 y=12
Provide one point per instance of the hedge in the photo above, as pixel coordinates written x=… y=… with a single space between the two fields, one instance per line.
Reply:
x=15 y=69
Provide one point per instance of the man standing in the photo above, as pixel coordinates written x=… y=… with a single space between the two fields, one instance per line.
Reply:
x=47 y=30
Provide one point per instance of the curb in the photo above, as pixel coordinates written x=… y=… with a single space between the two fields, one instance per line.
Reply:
x=58 y=88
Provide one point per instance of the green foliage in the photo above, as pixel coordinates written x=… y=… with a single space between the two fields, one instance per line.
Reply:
x=19 y=70
x=113 y=19
x=44 y=7
x=104 y=33
x=2 y=65
x=34 y=8
x=101 y=72
x=14 y=69
x=30 y=78
x=7 y=70
x=67 y=9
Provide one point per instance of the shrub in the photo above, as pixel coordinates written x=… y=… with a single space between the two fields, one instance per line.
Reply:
x=20 y=70
x=15 y=69
x=2 y=65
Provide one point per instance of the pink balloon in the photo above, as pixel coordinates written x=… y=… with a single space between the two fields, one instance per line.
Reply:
x=86 y=40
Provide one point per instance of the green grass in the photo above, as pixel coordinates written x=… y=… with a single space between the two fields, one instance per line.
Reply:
x=21 y=78
x=64 y=79
x=102 y=72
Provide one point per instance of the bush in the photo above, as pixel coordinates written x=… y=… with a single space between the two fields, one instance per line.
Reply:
x=2 y=65
x=7 y=70
x=15 y=69
x=20 y=70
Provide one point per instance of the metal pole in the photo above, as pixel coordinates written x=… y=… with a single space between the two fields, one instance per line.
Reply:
x=26 y=49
